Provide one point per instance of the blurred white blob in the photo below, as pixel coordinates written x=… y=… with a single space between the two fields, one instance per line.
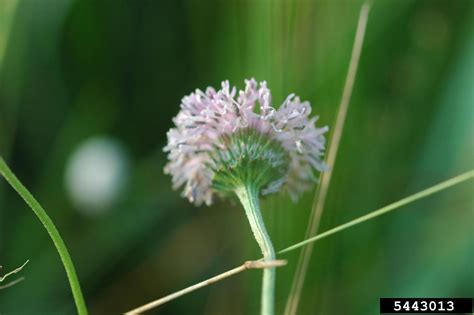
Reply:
x=96 y=174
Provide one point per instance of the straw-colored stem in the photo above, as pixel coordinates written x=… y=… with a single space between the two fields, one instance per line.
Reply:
x=248 y=196
x=321 y=193
x=17 y=270
x=256 y=264
x=53 y=233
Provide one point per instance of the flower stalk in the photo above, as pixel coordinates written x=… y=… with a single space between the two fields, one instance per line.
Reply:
x=227 y=142
x=248 y=196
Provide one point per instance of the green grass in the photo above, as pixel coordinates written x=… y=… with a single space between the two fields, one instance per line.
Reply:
x=53 y=232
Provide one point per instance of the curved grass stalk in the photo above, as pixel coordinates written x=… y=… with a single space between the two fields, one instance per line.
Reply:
x=52 y=231
x=372 y=215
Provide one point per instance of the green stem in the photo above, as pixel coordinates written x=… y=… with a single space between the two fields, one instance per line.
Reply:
x=52 y=231
x=248 y=195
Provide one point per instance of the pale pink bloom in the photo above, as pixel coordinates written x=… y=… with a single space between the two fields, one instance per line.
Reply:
x=206 y=116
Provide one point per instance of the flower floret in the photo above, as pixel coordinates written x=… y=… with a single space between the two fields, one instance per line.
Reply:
x=220 y=140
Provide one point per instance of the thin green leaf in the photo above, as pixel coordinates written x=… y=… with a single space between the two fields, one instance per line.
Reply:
x=53 y=232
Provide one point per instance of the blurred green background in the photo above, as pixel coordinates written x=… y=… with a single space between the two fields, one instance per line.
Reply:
x=87 y=92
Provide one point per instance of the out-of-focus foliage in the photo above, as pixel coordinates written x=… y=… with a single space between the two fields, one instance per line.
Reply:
x=72 y=71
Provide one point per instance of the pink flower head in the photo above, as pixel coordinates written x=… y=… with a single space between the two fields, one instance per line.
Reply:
x=216 y=131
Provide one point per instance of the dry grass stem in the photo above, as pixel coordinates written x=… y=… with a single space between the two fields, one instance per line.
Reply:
x=321 y=193
x=17 y=270
x=257 y=264
x=11 y=283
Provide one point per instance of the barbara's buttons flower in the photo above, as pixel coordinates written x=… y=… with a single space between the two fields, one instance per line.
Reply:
x=228 y=143
x=224 y=140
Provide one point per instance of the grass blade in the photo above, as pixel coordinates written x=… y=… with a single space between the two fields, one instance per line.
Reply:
x=372 y=215
x=52 y=231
